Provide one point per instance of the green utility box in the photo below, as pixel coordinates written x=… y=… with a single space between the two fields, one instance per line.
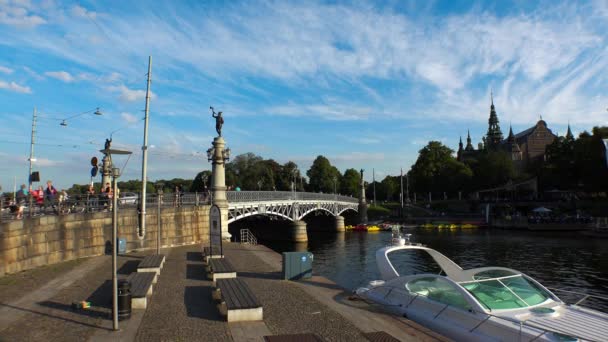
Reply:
x=297 y=265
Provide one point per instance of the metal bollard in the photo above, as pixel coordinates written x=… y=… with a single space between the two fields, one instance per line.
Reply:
x=124 y=300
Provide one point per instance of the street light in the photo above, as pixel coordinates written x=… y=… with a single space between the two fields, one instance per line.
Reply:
x=95 y=111
x=115 y=174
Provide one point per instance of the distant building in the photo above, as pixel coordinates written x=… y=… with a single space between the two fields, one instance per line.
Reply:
x=524 y=147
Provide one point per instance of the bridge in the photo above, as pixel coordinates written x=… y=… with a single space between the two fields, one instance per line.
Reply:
x=289 y=205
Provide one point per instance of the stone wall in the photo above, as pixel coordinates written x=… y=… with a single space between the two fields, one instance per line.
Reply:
x=45 y=240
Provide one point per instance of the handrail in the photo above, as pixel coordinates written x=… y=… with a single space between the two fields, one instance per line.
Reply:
x=256 y=196
x=585 y=295
x=247 y=237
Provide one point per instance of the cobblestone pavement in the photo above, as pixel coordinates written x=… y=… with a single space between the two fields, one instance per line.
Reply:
x=180 y=309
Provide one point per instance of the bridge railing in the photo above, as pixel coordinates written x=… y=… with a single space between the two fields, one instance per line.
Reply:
x=260 y=196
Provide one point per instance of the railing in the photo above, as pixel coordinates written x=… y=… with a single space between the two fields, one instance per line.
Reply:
x=247 y=237
x=261 y=196
x=98 y=202
x=95 y=203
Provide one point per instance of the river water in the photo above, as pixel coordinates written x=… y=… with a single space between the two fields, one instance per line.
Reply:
x=566 y=261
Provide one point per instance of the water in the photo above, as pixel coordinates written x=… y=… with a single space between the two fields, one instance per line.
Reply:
x=566 y=261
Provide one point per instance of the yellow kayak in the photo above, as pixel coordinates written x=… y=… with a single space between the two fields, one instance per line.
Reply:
x=468 y=226
x=427 y=225
x=373 y=228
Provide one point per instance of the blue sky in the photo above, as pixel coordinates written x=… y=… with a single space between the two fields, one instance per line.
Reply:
x=366 y=84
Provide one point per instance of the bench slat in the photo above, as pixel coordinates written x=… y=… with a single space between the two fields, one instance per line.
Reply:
x=208 y=250
x=151 y=261
x=236 y=294
x=221 y=266
x=140 y=283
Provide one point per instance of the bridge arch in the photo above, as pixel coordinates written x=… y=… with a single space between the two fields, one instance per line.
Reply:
x=311 y=210
x=256 y=213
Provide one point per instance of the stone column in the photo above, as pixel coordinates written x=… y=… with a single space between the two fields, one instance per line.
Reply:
x=362 y=202
x=298 y=231
x=339 y=223
x=106 y=171
x=218 y=183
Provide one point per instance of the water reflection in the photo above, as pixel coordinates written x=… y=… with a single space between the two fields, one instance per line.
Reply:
x=564 y=260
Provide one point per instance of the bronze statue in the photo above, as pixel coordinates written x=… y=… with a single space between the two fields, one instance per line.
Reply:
x=107 y=144
x=219 y=121
x=361 y=176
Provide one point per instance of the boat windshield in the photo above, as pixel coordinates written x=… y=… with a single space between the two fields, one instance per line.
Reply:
x=505 y=292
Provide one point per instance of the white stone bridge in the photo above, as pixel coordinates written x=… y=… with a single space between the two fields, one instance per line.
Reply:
x=289 y=205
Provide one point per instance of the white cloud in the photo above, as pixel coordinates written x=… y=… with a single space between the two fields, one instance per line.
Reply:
x=12 y=86
x=328 y=111
x=33 y=74
x=82 y=12
x=6 y=70
x=60 y=75
x=18 y=13
x=130 y=95
x=129 y=118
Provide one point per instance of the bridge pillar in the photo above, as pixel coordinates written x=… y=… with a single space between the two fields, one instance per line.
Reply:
x=339 y=223
x=219 y=157
x=298 y=231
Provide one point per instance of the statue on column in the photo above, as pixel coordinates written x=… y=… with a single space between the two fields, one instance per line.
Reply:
x=107 y=144
x=361 y=176
x=219 y=121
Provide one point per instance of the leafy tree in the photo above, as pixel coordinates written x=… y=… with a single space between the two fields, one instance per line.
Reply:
x=351 y=183
x=493 y=168
x=201 y=182
x=322 y=174
x=426 y=173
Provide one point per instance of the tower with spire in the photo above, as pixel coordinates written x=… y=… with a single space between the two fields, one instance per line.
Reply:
x=469 y=145
x=494 y=135
x=569 y=135
x=512 y=147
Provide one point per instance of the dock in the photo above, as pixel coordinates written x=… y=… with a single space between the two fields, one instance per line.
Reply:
x=36 y=304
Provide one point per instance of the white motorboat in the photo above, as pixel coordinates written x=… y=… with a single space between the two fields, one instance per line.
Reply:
x=481 y=304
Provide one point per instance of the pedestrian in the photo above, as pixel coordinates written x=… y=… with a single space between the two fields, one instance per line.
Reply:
x=176 y=195
x=92 y=198
x=20 y=199
x=50 y=194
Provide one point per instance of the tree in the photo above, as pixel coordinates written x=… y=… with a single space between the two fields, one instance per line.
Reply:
x=321 y=175
x=426 y=173
x=201 y=182
x=351 y=183
x=493 y=168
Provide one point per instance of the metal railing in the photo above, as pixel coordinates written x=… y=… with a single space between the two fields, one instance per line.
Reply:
x=99 y=202
x=247 y=238
x=260 y=196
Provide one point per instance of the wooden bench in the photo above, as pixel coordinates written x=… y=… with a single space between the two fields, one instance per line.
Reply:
x=237 y=302
x=220 y=269
x=141 y=288
x=152 y=263
x=208 y=255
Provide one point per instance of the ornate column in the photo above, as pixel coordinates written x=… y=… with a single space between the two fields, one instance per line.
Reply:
x=362 y=202
x=106 y=170
x=219 y=155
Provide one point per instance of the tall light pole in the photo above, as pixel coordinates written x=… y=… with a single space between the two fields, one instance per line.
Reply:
x=374 y=180
x=401 y=192
x=144 y=167
x=32 y=142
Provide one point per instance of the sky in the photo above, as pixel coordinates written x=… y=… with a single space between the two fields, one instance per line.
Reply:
x=366 y=84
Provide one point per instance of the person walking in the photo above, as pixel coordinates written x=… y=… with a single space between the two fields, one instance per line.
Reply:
x=20 y=199
x=50 y=194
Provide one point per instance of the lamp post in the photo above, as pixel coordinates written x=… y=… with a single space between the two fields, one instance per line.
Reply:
x=115 y=175
x=159 y=222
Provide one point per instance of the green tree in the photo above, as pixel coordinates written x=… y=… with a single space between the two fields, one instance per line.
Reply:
x=201 y=182
x=321 y=175
x=351 y=183
x=493 y=168
x=426 y=172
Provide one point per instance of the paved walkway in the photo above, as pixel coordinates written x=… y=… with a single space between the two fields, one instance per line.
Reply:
x=181 y=308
